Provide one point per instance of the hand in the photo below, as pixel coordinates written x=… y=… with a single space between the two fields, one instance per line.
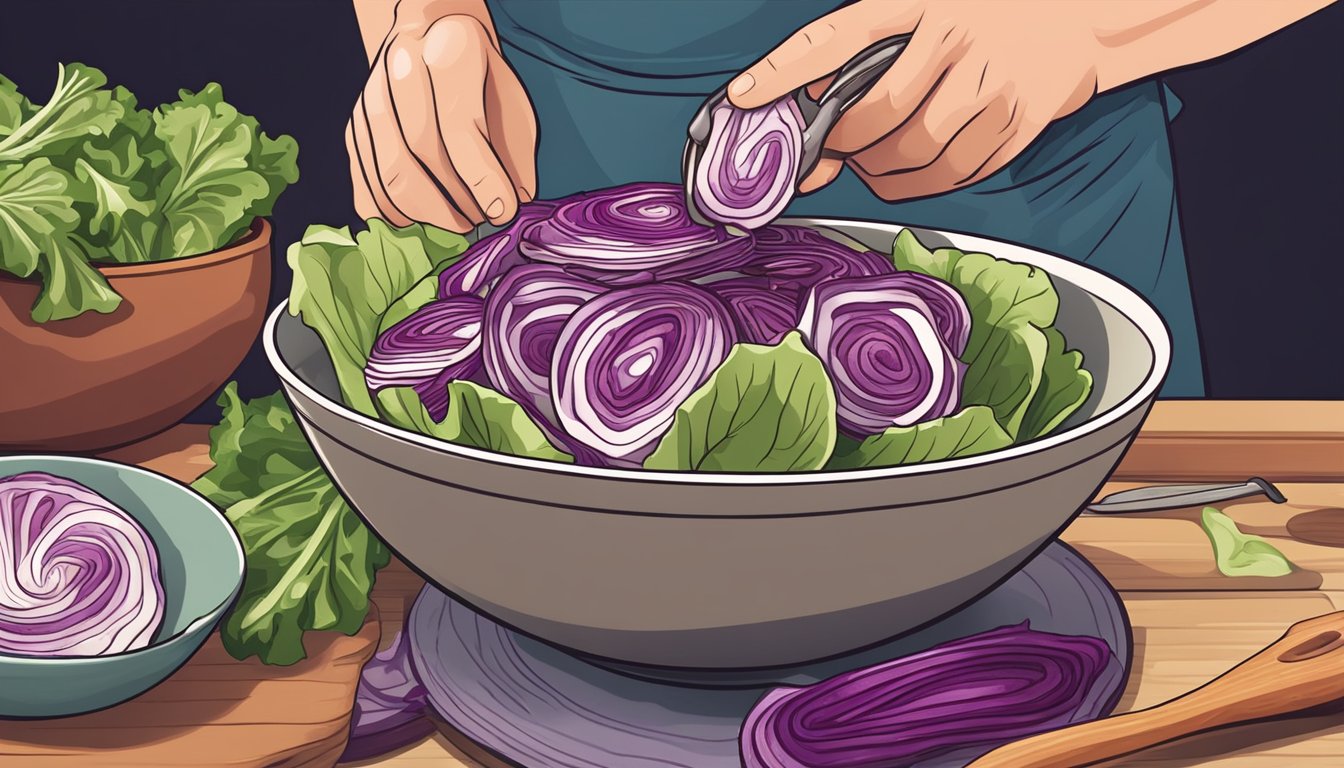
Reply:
x=443 y=132
x=981 y=79
x=978 y=82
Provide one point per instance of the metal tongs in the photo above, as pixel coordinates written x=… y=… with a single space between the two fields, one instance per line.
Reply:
x=819 y=116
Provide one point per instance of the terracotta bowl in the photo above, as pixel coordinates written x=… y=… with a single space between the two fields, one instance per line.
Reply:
x=97 y=381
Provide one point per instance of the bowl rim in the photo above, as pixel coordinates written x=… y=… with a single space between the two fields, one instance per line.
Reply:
x=1105 y=288
x=209 y=617
x=258 y=233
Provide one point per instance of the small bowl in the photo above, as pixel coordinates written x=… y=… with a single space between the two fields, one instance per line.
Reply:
x=201 y=565
x=95 y=381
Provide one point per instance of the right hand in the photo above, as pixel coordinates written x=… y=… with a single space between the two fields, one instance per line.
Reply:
x=443 y=132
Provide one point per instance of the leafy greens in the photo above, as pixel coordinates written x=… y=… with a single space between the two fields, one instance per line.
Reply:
x=91 y=177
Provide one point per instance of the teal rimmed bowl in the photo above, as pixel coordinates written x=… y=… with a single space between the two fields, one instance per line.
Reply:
x=201 y=566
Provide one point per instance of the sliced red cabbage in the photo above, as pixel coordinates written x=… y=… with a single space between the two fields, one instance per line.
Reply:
x=749 y=170
x=491 y=256
x=436 y=344
x=762 y=311
x=78 y=575
x=632 y=234
x=390 y=704
x=981 y=691
x=951 y=315
x=806 y=257
x=628 y=358
x=523 y=318
x=882 y=348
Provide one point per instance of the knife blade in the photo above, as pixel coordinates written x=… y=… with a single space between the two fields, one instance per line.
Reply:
x=1158 y=497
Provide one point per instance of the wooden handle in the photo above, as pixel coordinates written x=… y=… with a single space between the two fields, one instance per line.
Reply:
x=1301 y=670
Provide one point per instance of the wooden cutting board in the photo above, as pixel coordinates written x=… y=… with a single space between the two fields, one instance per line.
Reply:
x=216 y=710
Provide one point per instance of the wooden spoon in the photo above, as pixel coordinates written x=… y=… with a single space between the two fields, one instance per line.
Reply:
x=1301 y=670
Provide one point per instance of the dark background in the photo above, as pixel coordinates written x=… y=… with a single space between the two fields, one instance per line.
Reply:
x=1258 y=155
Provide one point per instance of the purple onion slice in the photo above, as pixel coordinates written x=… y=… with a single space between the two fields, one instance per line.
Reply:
x=635 y=233
x=491 y=256
x=981 y=691
x=390 y=704
x=524 y=315
x=881 y=346
x=627 y=359
x=436 y=344
x=806 y=257
x=748 y=172
x=763 y=312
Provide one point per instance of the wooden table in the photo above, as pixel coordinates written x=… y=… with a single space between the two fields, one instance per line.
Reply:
x=1190 y=622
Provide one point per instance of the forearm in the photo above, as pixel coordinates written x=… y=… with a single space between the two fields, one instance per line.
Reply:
x=1142 y=38
x=377 y=17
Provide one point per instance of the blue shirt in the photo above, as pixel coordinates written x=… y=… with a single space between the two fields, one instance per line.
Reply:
x=615 y=82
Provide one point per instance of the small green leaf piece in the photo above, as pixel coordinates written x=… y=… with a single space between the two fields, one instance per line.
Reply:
x=1241 y=554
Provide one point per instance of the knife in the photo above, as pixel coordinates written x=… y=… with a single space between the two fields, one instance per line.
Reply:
x=1157 y=497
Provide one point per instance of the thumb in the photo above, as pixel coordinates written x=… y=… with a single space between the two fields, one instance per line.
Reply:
x=820 y=48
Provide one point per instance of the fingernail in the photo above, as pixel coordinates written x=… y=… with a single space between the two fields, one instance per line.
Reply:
x=495 y=209
x=741 y=85
x=525 y=194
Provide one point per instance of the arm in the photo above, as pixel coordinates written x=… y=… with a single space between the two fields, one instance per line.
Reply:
x=377 y=18
x=1141 y=39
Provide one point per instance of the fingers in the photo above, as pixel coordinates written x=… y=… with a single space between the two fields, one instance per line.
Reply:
x=365 y=207
x=456 y=66
x=897 y=94
x=820 y=48
x=406 y=181
x=361 y=141
x=955 y=102
x=512 y=127
x=983 y=146
x=825 y=172
x=449 y=205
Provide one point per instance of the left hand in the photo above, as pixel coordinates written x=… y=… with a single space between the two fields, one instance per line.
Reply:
x=979 y=81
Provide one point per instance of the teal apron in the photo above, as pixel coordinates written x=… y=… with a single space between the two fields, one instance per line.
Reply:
x=615 y=82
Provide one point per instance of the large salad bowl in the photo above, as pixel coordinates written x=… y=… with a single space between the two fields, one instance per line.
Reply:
x=737 y=571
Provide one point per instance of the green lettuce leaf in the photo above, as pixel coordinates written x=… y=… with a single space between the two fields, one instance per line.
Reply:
x=421 y=294
x=344 y=284
x=79 y=107
x=70 y=286
x=1065 y=386
x=1010 y=357
x=766 y=409
x=972 y=431
x=36 y=221
x=311 y=562
x=1241 y=554
x=210 y=184
x=117 y=178
x=14 y=108
x=256 y=445
x=478 y=417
